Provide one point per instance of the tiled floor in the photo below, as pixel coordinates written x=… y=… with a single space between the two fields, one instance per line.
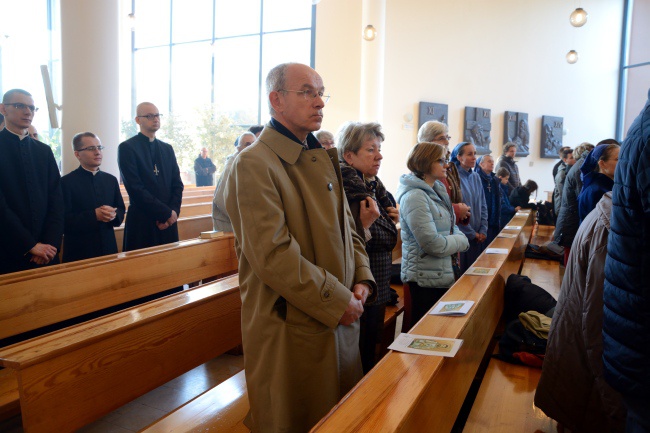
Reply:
x=157 y=403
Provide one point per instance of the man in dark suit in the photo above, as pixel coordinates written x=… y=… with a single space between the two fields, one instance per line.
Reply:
x=31 y=185
x=93 y=203
x=152 y=179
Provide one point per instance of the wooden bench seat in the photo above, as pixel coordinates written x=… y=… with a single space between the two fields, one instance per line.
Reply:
x=504 y=402
x=220 y=409
x=71 y=377
x=413 y=393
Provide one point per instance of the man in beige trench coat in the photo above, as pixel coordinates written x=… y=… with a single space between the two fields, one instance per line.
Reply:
x=303 y=271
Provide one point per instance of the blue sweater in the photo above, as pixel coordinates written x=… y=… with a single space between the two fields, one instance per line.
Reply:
x=473 y=196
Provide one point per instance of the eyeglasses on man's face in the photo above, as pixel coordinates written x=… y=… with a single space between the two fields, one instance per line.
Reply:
x=442 y=137
x=22 y=107
x=91 y=148
x=310 y=95
x=152 y=116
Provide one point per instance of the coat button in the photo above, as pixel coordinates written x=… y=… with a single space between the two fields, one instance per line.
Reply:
x=326 y=294
x=329 y=186
x=313 y=158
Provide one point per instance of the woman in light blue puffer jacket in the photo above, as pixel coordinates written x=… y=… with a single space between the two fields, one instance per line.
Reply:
x=430 y=237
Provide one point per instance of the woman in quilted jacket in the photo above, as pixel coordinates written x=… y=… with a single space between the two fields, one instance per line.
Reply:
x=430 y=237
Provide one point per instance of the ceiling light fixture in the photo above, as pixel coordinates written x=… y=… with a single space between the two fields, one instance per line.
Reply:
x=572 y=56
x=369 y=33
x=578 y=17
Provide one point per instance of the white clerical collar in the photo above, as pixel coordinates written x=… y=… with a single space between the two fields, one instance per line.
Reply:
x=93 y=172
x=21 y=137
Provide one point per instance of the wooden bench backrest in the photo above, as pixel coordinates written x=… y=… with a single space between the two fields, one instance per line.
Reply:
x=71 y=377
x=193 y=199
x=66 y=291
x=190 y=210
x=188 y=228
x=413 y=393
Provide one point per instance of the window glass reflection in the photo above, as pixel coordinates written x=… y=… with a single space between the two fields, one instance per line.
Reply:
x=236 y=18
x=152 y=23
x=236 y=78
x=286 y=14
x=191 y=77
x=192 y=20
x=151 y=67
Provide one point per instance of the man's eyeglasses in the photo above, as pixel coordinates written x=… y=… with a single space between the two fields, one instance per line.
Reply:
x=442 y=137
x=443 y=161
x=310 y=94
x=152 y=116
x=91 y=148
x=19 y=106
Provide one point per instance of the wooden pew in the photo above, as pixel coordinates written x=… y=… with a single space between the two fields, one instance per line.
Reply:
x=220 y=409
x=74 y=376
x=34 y=299
x=188 y=228
x=195 y=199
x=413 y=393
x=504 y=402
x=402 y=390
x=40 y=297
x=190 y=210
x=211 y=411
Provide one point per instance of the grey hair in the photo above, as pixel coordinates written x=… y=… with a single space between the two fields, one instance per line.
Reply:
x=352 y=135
x=245 y=134
x=431 y=129
x=276 y=80
x=322 y=134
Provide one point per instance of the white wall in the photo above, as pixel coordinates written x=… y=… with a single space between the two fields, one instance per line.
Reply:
x=505 y=55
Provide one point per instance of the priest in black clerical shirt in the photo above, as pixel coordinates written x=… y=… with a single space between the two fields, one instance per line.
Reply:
x=152 y=179
x=93 y=203
x=30 y=184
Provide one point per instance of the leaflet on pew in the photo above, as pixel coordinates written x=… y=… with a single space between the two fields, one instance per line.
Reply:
x=426 y=345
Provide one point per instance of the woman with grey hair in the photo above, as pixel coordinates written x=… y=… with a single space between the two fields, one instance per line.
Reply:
x=507 y=160
x=376 y=215
x=438 y=133
x=325 y=138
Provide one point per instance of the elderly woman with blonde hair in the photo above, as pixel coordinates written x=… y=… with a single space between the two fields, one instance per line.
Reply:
x=376 y=215
x=438 y=132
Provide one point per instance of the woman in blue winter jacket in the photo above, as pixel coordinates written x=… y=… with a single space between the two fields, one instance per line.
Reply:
x=430 y=238
x=597 y=177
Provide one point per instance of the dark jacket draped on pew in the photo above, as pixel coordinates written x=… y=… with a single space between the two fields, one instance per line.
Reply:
x=83 y=192
x=31 y=185
x=152 y=179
